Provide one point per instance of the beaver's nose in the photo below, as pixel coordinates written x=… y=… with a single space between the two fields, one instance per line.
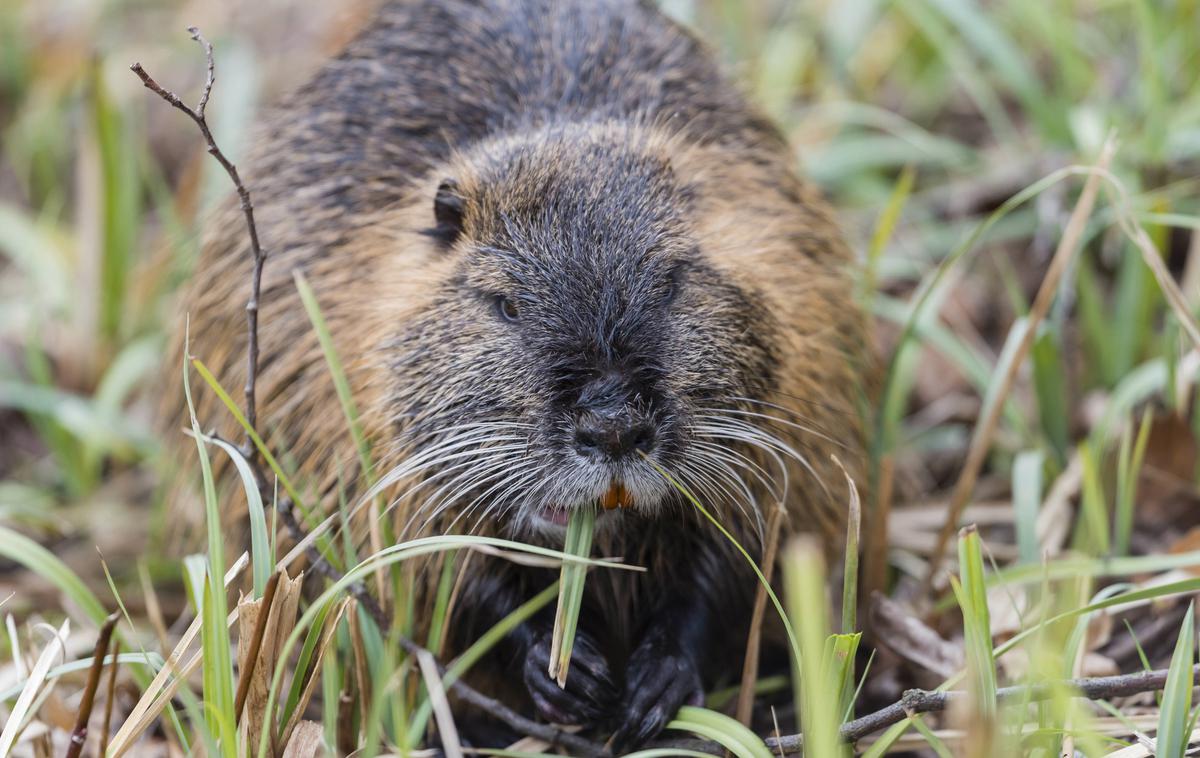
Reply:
x=612 y=438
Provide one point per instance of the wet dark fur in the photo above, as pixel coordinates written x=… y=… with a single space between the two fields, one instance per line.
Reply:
x=587 y=162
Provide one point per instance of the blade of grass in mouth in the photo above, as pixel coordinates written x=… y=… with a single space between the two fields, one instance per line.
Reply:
x=570 y=592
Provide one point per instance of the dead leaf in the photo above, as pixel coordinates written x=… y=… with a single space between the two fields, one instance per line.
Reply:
x=308 y=741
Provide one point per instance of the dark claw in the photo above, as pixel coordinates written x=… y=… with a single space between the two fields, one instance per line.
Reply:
x=590 y=693
x=659 y=680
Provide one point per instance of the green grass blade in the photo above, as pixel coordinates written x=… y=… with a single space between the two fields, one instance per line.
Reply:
x=817 y=690
x=581 y=524
x=262 y=561
x=337 y=373
x=885 y=227
x=839 y=658
x=120 y=200
x=1129 y=466
x=20 y=549
x=1050 y=388
x=1092 y=531
x=1027 y=502
x=1173 y=731
x=971 y=591
x=227 y=401
x=730 y=733
x=762 y=579
x=214 y=632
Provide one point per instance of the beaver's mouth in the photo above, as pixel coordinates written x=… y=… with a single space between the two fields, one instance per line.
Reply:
x=553 y=514
x=616 y=497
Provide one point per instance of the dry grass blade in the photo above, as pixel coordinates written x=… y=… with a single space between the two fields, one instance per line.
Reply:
x=273 y=614
x=745 y=701
x=851 y=553
x=79 y=733
x=441 y=705
x=308 y=741
x=167 y=681
x=248 y=661
x=16 y=718
x=361 y=666
x=875 y=564
x=985 y=429
x=1154 y=260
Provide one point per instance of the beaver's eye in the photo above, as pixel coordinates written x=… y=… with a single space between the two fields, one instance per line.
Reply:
x=507 y=309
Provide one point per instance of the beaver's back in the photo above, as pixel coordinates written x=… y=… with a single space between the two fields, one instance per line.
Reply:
x=428 y=77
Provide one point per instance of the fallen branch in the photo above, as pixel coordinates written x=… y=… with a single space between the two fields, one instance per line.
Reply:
x=928 y=701
x=915 y=702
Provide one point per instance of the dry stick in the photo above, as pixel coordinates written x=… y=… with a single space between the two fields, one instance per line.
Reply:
x=79 y=733
x=112 y=696
x=260 y=628
x=924 y=701
x=197 y=115
x=985 y=429
x=745 y=701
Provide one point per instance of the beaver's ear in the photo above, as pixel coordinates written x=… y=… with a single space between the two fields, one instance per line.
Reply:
x=447 y=213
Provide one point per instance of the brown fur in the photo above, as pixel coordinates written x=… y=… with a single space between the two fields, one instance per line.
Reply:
x=344 y=174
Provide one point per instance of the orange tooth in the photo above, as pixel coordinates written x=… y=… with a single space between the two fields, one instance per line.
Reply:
x=616 y=497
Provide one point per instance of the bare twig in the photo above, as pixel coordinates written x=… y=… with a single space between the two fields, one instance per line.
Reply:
x=260 y=628
x=925 y=701
x=197 y=115
x=986 y=427
x=79 y=733
x=112 y=696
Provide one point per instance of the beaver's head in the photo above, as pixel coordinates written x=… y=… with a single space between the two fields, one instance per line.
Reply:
x=578 y=340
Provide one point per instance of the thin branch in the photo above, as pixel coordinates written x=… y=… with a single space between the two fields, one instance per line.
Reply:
x=197 y=115
x=79 y=733
x=915 y=702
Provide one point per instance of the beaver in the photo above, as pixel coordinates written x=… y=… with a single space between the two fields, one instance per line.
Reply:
x=559 y=255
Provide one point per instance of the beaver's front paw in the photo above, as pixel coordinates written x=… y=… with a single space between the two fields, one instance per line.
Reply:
x=660 y=678
x=590 y=694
